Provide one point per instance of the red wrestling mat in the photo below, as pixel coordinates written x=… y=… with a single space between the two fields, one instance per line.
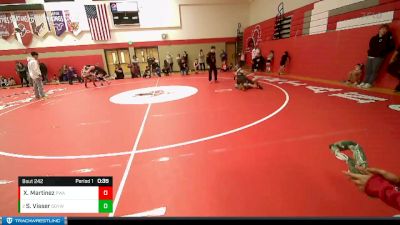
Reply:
x=217 y=152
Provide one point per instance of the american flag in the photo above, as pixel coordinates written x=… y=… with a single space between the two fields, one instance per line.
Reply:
x=98 y=22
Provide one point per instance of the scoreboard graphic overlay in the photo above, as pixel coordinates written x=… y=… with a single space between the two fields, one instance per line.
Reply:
x=65 y=195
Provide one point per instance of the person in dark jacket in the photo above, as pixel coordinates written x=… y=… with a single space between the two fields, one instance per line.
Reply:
x=259 y=63
x=285 y=60
x=394 y=67
x=380 y=46
x=212 y=64
x=43 y=70
x=134 y=67
x=22 y=73
x=167 y=67
x=119 y=72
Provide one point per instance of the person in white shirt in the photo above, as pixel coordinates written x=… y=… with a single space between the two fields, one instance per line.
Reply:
x=170 y=61
x=202 y=60
x=11 y=81
x=253 y=53
x=35 y=74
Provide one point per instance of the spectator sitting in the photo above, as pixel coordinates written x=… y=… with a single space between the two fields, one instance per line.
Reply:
x=71 y=75
x=55 y=80
x=167 y=68
x=147 y=72
x=156 y=68
x=184 y=67
x=394 y=67
x=355 y=75
x=150 y=62
x=284 y=62
x=270 y=58
x=63 y=73
x=3 y=82
x=119 y=72
x=11 y=81
x=224 y=67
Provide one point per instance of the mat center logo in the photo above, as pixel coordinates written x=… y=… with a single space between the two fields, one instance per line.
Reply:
x=153 y=95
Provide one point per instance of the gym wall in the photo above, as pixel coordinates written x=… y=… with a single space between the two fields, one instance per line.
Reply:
x=54 y=61
x=192 y=50
x=326 y=50
x=196 y=20
x=261 y=10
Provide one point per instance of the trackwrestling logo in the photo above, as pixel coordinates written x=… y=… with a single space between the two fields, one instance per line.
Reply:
x=33 y=220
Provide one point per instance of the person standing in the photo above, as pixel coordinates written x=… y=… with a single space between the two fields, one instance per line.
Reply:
x=170 y=61
x=35 y=74
x=119 y=72
x=43 y=70
x=258 y=63
x=196 y=66
x=22 y=73
x=285 y=60
x=134 y=67
x=242 y=59
x=394 y=67
x=202 y=60
x=380 y=46
x=179 y=61
x=185 y=56
x=212 y=64
x=224 y=57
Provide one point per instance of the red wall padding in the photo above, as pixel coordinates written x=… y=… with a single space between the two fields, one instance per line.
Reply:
x=53 y=65
x=330 y=55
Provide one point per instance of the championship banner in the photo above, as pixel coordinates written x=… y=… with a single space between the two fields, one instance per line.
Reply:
x=6 y=25
x=72 y=22
x=39 y=24
x=23 y=28
x=58 y=22
x=50 y=22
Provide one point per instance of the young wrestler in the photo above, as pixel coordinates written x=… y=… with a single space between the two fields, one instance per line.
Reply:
x=243 y=82
x=284 y=61
x=101 y=75
x=355 y=75
x=88 y=75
